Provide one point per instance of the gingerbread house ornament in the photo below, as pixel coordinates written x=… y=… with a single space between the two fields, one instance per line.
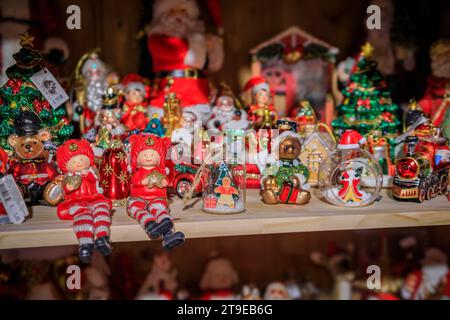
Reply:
x=298 y=66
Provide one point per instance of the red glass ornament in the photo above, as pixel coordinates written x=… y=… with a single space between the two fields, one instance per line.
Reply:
x=114 y=175
x=407 y=168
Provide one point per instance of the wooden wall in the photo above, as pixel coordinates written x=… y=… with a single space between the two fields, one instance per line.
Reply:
x=111 y=25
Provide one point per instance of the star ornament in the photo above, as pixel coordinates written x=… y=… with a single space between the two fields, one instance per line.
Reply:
x=26 y=40
x=367 y=50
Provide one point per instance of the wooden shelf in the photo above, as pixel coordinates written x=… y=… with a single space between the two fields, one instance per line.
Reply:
x=45 y=229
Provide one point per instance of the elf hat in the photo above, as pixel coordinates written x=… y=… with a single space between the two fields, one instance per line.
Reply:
x=72 y=148
x=141 y=142
x=256 y=84
x=351 y=139
x=133 y=81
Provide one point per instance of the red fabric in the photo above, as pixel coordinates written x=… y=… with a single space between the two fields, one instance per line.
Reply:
x=218 y=295
x=215 y=12
x=86 y=195
x=289 y=194
x=432 y=98
x=168 y=53
x=21 y=169
x=142 y=191
x=72 y=148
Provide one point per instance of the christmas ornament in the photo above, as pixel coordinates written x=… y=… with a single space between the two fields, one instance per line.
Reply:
x=367 y=106
x=318 y=141
x=179 y=53
x=90 y=84
x=148 y=194
x=155 y=126
x=19 y=94
x=284 y=177
x=423 y=172
x=261 y=112
x=114 y=174
x=32 y=167
x=172 y=118
x=345 y=174
x=218 y=280
x=83 y=201
x=436 y=100
x=134 y=116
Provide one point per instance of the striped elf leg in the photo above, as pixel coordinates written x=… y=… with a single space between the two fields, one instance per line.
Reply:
x=102 y=219
x=160 y=210
x=83 y=224
x=137 y=209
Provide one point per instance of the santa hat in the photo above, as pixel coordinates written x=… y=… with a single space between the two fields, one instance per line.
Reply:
x=133 y=81
x=72 y=148
x=256 y=84
x=351 y=139
x=141 y=142
x=162 y=7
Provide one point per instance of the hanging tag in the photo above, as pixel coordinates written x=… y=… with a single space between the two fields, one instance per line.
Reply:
x=12 y=200
x=50 y=88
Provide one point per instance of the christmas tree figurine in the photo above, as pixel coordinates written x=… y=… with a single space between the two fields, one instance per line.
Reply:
x=367 y=106
x=19 y=94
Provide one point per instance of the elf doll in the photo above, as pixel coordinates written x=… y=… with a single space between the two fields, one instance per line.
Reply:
x=148 y=201
x=261 y=112
x=83 y=201
x=134 y=115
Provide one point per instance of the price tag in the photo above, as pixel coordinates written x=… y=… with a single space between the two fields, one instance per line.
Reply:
x=50 y=88
x=12 y=200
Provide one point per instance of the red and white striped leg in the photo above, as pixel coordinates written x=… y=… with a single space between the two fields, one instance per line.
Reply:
x=160 y=210
x=137 y=209
x=102 y=219
x=83 y=224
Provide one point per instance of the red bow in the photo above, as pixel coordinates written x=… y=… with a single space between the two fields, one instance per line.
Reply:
x=365 y=103
x=14 y=85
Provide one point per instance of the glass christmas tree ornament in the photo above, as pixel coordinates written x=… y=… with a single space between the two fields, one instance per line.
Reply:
x=350 y=176
x=224 y=188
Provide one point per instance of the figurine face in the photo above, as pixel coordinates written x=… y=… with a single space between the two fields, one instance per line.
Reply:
x=134 y=96
x=78 y=163
x=29 y=147
x=226 y=103
x=148 y=158
x=226 y=182
x=262 y=97
x=289 y=149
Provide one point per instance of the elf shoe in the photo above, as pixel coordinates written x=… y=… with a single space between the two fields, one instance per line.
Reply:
x=103 y=245
x=171 y=240
x=85 y=253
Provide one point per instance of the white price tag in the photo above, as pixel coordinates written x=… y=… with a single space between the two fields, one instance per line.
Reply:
x=50 y=88
x=12 y=200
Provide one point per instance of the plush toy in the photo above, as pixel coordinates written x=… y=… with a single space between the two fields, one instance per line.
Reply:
x=218 y=280
x=286 y=181
x=83 y=201
x=32 y=168
x=148 y=197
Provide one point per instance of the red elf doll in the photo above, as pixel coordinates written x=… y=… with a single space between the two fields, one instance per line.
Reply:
x=83 y=201
x=148 y=201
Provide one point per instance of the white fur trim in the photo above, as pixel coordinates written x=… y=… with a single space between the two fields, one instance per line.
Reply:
x=261 y=86
x=196 y=55
x=163 y=6
x=348 y=146
x=281 y=137
x=136 y=86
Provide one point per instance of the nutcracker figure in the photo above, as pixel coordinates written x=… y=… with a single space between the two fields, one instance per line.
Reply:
x=83 y=201
x=261 y=113
x=182 y=54
x=134 y=115
x=32 y=167
x=148 y=197
x=436 y=101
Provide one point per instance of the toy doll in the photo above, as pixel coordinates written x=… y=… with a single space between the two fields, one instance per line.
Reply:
x=83 y=201
x=134 y=115
x=148 y=201
x=261 y=112
x=218 y=280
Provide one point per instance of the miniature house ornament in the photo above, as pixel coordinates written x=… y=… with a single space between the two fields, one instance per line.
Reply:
x=345 y=175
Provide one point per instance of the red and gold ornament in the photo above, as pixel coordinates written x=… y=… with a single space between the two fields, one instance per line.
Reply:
x=114 y=175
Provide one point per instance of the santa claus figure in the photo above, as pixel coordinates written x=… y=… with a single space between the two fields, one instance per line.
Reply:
x=218 y=280
x=277 y=291
x=182 y=55
x=436 y=101
x=432 y=281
